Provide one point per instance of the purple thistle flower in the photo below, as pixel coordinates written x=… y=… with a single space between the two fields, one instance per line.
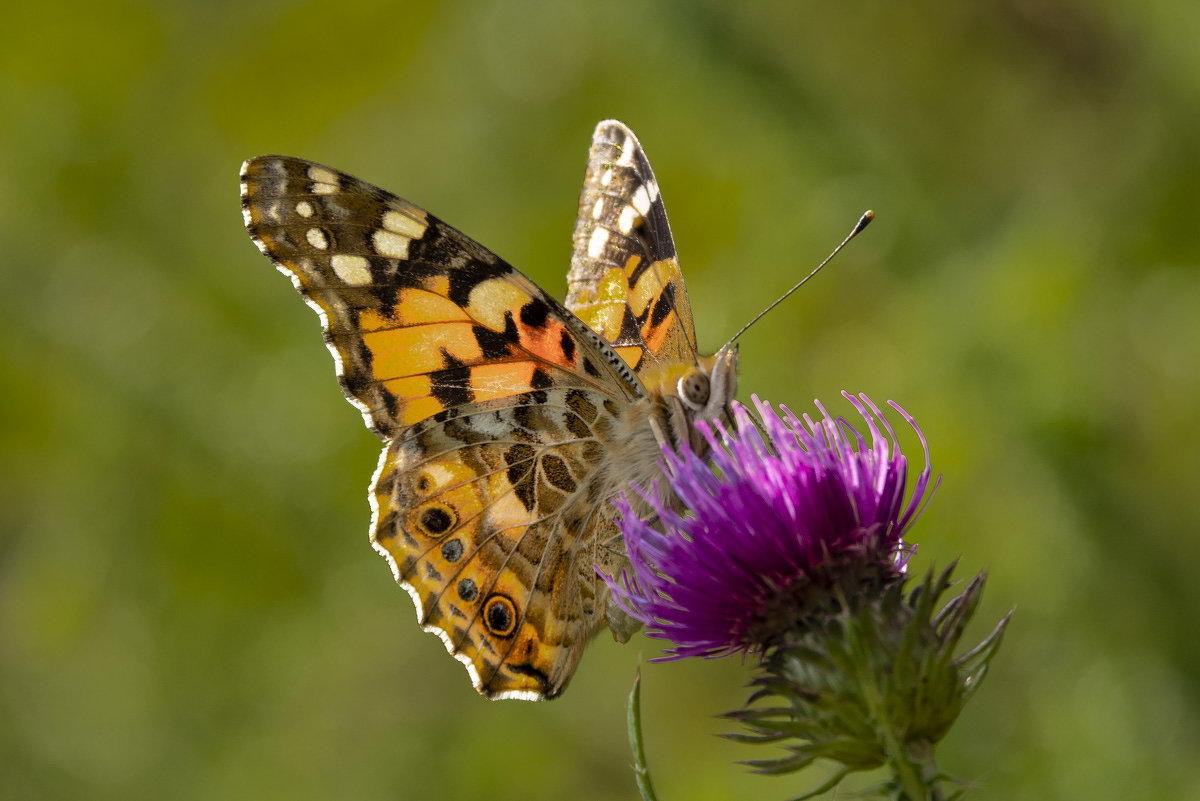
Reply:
x=776 y=530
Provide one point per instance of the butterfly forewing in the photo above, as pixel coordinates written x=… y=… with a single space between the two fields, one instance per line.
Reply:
x=625 y=280
x=419 y=317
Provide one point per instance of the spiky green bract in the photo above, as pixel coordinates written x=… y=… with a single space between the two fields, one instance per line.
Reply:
x=876 y=684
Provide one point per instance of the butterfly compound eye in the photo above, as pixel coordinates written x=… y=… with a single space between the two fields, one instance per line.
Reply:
x=693 y=390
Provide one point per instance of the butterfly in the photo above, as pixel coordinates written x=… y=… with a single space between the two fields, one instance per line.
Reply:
x=511 y=420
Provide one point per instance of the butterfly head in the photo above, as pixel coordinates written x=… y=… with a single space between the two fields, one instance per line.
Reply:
x=688 y=393
x=708 y=388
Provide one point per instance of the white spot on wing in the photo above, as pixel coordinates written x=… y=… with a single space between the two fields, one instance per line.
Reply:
x=316 y=238
x=354 y=270
x=389 y=244
x=598 y=209
x=626 y=158
x=404 y=225
x=322 y=175
x=606 y=179
x=597 y=242
x=324 y=182
x=641 y=200
x=628 y=217
x=304 y=208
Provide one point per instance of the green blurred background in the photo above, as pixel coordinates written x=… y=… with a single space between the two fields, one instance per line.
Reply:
x=189 y=607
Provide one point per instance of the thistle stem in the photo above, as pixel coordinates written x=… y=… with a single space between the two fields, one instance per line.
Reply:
x=916 y=770
x=913 y=765
x=922 y=754
x=903 y=757
x=903 y=768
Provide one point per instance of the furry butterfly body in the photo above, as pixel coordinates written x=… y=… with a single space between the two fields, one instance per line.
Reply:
x=510 y=420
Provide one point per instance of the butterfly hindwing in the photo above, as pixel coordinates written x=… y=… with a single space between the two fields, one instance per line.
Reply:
x=419 y=317
x=481 y=512
x=625 y=281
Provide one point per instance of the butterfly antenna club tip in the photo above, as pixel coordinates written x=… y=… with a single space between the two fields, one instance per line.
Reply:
x=863 y=222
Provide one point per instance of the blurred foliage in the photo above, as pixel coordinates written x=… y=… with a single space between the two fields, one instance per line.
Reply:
x=188 y=604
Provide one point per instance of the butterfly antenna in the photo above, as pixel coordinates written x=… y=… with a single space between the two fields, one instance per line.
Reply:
x=862 y=223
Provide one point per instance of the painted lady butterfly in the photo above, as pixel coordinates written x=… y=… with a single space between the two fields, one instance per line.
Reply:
x=511 y=420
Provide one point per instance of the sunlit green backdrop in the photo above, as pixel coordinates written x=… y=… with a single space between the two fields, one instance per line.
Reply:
x=189 y=607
